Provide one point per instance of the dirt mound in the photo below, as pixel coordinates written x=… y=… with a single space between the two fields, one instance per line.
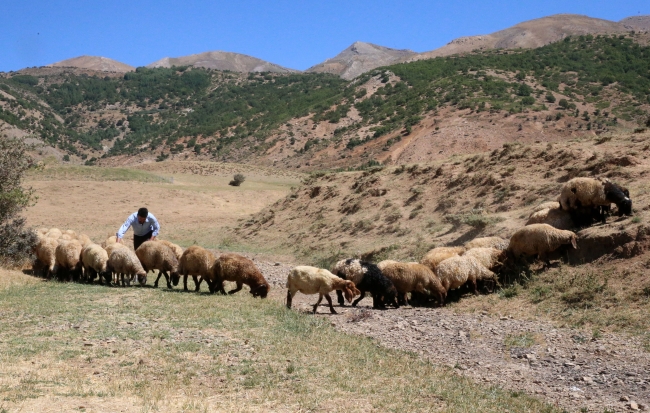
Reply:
x=99 y=63
x=219 y=60
x=641 y=23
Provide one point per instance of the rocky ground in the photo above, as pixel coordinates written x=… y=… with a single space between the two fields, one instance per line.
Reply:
x=570 y=368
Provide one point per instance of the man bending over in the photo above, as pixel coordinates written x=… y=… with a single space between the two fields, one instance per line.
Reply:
x=145 y=227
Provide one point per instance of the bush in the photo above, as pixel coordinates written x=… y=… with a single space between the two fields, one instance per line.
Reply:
x=16 y=241
x=237 y=180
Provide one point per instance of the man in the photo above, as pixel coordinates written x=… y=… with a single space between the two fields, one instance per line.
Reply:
x=145 y=227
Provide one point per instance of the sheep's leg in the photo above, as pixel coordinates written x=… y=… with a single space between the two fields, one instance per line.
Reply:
x=320 y=298
x=167 y=278
x=329 y=300
x=197 y=282
x=361 y=297
x=289 y=298
x=239 y=286
x=155 y=284
x=474 y=286
x=185 y=282
x=339 y=298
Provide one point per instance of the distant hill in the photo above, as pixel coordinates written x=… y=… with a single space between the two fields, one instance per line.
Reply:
x=359 y=58
x=530 y=34
x=218 y=60
x=99 y=63
x=637 y=23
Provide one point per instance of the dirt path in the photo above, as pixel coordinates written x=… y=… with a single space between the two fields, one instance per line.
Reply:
x=568 y=367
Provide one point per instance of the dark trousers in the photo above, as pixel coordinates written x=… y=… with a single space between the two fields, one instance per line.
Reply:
x=139 y=239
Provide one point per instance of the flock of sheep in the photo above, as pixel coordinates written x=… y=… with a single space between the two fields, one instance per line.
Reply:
x=442 y=269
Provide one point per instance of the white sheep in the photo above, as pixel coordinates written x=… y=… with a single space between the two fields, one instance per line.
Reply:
x=539 y=239
x=454 y=272
x=589 y=193
x=197 y=262
x=68 y=259
x=54 y=233
x=555 y=217
x=45 y=251
x=434 y=257
x=412 y=276
x=312 y=280
x=490 y=258
x=487 y=242
x=178 y=250
x=155 y=255
x=84 y=240
x=94 y=259
x=546 y=205
x=367 y=277
x=124 y=265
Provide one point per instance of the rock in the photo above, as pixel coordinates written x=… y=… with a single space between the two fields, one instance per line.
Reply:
x=625 y=399
x=633 y=406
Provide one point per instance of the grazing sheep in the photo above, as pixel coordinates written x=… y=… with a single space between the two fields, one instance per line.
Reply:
x=237 y=268
x=41 y=232
x=197 y=262
x=454 y=272
x=154 y=255
x=68 y=259
x=45 y=251
x=546 y=205
x=109 y=249
x=54 y=233
x=109 y=241
x=490 y=258
x=178 y=251
x=367 y=277
x=434 y=257
x=590 y=192
x=124 y=265
x=84 y=240
x=487 y=242
x=312 y=280
x=94 y=259
x=539 y=239
x=71 y=233
x=412 y=276
x=557 y=218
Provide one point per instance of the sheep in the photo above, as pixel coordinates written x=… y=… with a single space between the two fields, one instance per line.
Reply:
x=124 y=264
x=45 y=251
x=454 y=272
x=154 y=255
x=590 y=193
x=84 y=240
x=95 y=260
x=556 y=217
x=71 y=233
x=197 y=262
x=177 y=249
x=312 y=280
x=40 y=232
x=109 y=241
x=434 y=257
x=546 y=205
x=367 y=277
x=68 y=258
x=109 y=249
x=490 y=258
x=237 y=268
x=412 y=276
x=487 y=242
x=54 y=233
x=539 y=239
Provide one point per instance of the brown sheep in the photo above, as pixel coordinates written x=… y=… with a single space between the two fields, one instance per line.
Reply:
x=241 y=270
x=197 y=262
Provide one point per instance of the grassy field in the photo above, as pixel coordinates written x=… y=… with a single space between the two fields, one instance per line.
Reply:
x=77 y=347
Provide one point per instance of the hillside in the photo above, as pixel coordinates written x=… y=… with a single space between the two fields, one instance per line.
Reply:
x=412 y=112
x=359 y=58
x=637 y=23
x=102 y=64
x=218 y=60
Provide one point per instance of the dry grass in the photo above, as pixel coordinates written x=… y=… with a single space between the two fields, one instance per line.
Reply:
x=63 y=346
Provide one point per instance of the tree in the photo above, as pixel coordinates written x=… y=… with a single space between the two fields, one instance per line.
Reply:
x=563 y=103
x=550 y=98
x=237 y=180
x=16 y=241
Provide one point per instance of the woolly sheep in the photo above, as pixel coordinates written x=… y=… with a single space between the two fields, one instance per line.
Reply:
x=367 y=277
x=109 y=249
x=197 y=262
x=109 y=241
x=539 y=239
x=546 y=205
x=68 y=259
x=154 y=255
x=94 y=259
x=71 y=233
x=556 y=217
x=54 y=233
x=490 y=258
x=590 y=192
x=176 y=248
x=412 y=276
x=84 y=240
x=45 y=251
x=312 y=280
x=487 y=242
x=434 y=257
x=454 y=272
x=241 y=270
x=124 y=265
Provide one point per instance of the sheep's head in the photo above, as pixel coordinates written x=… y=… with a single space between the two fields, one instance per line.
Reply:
x=625 y=207
x=175 y=277
x=391 y=297
x=261 y=290
x=350 y=291
x=142 y=277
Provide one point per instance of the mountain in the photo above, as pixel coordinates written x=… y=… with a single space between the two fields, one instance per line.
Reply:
x=99 y=63
x=218 y=60
x=529 y=34
x=641 y=23
x=359 y=58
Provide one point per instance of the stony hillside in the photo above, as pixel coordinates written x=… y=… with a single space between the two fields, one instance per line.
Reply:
x=359 y=58
x=219 y=60
x=641 y=23
x=102 y=64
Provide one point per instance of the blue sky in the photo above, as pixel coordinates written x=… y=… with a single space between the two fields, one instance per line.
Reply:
x=291 y=33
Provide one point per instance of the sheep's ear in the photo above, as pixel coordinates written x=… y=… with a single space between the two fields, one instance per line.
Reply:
x=574 y=243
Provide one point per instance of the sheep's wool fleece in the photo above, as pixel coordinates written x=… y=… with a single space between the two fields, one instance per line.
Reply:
x=488 y=242
x=434 y=257
x=311 y=280
x=406 y=276
x=124 y=261
x=538 y=239
x=46 y=251
x=588 y=191
x=456 y=271
x=197 y=261
x=154 y=255
x=68 y=254
x=95 y=257
x=546 y=205
x=178 y=250
x=488 y=257
x=556 y=217
x=351 y=270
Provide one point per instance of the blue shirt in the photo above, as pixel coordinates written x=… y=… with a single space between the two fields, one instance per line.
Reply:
x=150 y=224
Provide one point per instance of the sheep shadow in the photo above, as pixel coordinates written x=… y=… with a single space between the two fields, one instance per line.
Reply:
x=468 y=236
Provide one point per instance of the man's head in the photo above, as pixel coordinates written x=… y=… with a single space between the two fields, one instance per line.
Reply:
x=143 y=213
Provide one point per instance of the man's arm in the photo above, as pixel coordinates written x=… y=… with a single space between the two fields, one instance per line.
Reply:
x=155 y=225
x=125 y=227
